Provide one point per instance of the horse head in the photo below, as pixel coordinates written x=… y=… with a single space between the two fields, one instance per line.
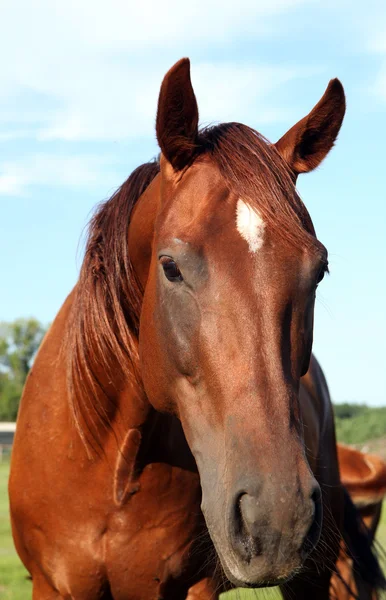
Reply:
x=229 y=261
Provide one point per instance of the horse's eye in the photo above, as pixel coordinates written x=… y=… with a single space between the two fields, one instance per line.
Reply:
x=171 y=269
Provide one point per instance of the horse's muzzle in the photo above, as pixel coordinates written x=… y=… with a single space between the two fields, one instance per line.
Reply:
x=271 y=545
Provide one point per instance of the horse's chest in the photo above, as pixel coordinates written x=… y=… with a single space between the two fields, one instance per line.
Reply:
x=148 y=537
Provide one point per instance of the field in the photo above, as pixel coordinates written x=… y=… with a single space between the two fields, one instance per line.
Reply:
x=356 y=424
x=13 y=577
x=14 y=584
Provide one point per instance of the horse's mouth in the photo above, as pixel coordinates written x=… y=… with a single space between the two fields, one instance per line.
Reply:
x=256 y=584
x=254 y=575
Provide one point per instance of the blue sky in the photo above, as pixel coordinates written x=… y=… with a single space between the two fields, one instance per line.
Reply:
x=78 y=92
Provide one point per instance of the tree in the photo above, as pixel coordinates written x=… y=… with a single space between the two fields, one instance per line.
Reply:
x=19 y=342
x=348 y=411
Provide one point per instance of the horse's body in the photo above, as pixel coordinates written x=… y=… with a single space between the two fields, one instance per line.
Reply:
x=364 y=477
x=74 y=535
x=70 y=531
x=170 y=380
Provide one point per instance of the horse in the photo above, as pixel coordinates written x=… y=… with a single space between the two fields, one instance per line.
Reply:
x=364 y=477
x=164 y=448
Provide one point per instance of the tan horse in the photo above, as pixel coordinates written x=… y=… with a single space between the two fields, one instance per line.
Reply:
x=169 y=381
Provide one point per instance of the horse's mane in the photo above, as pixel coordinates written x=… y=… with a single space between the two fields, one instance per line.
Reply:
x=103 y=329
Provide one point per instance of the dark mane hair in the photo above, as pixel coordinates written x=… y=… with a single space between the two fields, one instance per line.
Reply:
x=103 y=330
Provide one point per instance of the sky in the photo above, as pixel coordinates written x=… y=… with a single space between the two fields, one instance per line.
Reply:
x=79 y=83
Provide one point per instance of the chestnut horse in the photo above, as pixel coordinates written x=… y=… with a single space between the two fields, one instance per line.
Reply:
x=161 y=426
x=364 y=477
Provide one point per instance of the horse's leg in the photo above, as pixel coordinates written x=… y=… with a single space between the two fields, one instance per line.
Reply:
x=206 y=589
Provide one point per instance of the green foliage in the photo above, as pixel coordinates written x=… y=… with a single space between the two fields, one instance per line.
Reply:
x=357 y=424
x=347 y=411
x=10 y=392
x=19 y=342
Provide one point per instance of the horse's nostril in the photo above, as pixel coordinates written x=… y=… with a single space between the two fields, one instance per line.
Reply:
x=246 y=520
x=313 y=533
x=248 y=509
x=316 y=495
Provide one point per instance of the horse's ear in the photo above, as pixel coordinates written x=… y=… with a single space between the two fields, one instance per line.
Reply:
x=307 y=143
x=177 y=116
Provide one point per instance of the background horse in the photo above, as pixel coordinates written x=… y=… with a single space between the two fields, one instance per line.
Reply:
x=169 y=380
x=364 y=477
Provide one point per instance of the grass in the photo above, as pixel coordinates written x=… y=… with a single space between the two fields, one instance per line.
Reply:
x=367 y=423
x=14 y=584
x=381 y=534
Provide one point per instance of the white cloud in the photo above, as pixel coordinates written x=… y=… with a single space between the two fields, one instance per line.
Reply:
x=224 y=91
x=369 y=30
x=377 y=42
x=91 y=70
x=230 y=91
x=17 y=178
x=119 y=24
x=16 y=134
x=373 y=25
x=10 y=185
x=378 y=88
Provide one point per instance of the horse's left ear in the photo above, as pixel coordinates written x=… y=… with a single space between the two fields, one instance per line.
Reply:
x=307 y=143
x=177 y=116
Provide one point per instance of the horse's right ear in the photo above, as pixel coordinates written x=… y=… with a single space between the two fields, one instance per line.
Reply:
x=306 y=144
x=177 y=116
